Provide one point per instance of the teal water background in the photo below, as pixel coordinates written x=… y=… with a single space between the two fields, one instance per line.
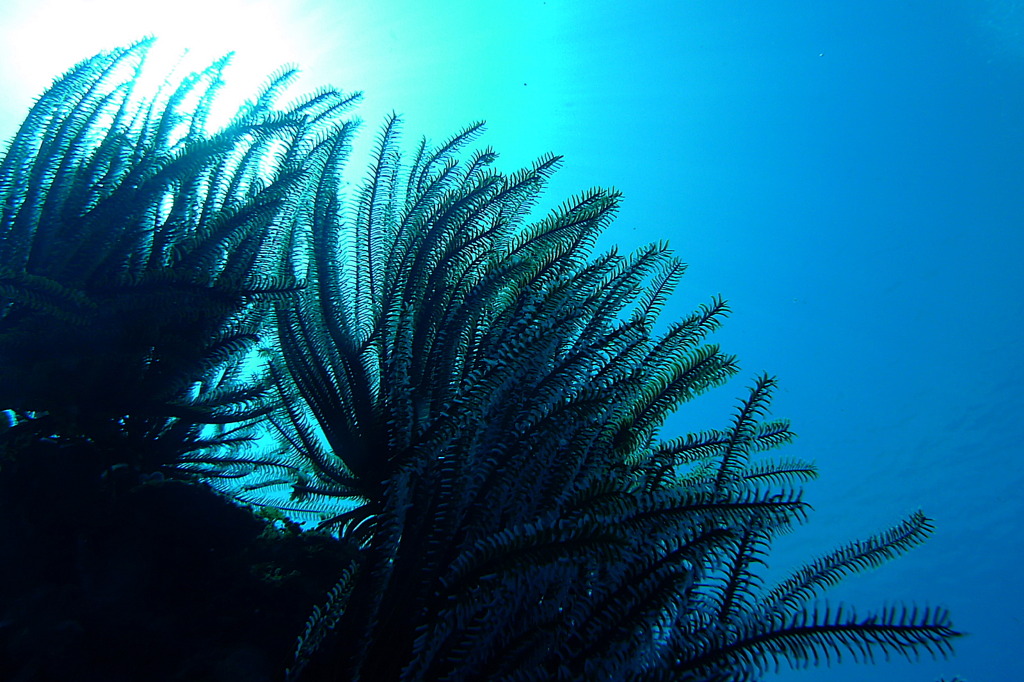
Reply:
x=849 y=175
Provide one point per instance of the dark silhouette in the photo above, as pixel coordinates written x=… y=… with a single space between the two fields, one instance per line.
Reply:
x=464 y=403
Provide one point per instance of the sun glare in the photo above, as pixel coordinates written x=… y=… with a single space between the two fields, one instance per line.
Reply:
x=43 y=38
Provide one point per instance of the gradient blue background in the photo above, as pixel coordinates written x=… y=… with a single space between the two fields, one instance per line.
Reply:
x=848 y=175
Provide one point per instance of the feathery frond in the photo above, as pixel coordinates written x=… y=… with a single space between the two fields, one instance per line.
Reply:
x=141 y=251
x=463 y=394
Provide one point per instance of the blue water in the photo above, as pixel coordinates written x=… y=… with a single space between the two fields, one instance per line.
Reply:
x=849 y=175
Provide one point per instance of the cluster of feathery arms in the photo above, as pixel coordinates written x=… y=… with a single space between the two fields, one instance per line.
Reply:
x=468 y=395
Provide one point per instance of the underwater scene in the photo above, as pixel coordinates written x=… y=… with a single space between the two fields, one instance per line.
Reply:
x=540 y=340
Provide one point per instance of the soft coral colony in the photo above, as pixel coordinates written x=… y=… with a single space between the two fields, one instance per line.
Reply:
x=196 y=324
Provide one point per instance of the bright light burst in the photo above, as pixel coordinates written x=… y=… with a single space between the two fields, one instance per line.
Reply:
x=42 y=37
